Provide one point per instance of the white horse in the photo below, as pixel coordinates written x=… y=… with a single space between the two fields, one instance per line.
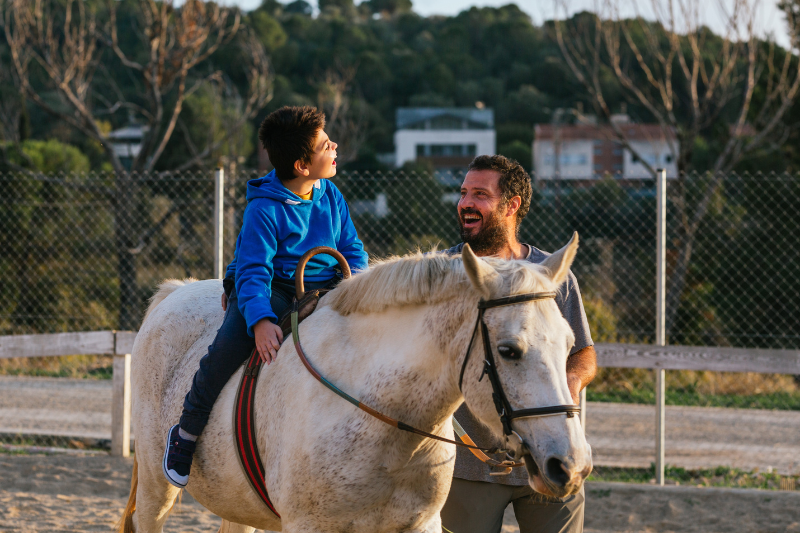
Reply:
x=395 y=338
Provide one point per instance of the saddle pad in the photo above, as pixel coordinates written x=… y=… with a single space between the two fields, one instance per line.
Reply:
x=244 y=430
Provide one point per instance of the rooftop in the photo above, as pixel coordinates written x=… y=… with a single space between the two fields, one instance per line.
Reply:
x=444 y=118
x=632 y=132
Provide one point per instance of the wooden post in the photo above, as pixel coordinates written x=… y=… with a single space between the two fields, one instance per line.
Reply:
x=219 y=212
x=661 y=245
x=121 y=406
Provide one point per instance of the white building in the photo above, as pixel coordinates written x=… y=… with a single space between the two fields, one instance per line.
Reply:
x=589 y=151
x=448 y=137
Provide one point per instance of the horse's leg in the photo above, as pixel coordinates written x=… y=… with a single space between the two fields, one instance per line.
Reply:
x=154 y=500
x=230 y=527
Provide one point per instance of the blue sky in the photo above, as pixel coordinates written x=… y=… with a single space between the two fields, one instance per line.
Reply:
x=769 y=19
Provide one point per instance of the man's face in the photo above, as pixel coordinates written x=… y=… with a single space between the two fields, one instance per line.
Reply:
x=323 y=162
x=482 y=214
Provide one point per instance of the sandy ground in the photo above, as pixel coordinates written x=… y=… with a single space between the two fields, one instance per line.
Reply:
x=620 y=434
x=67 y=493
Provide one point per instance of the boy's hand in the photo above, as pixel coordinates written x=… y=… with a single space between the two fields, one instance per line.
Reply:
x=268 y=339
x=224 y=301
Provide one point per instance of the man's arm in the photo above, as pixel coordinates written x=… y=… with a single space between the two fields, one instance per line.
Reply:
x=581 y=370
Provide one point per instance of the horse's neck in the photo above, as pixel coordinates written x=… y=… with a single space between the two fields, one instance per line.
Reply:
x=412 y=359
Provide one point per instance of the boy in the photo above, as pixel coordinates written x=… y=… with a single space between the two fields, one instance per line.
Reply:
x=291 y=210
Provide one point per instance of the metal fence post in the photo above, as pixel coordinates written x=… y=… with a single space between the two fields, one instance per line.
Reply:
x=661 y=244
x=219 y=192
x=583 y=409
x=121 y=406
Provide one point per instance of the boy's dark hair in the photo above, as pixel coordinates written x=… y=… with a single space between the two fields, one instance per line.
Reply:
x=514 y=181
x=288 y=135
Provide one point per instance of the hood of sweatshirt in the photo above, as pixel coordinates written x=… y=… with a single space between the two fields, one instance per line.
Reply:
x=271 y=187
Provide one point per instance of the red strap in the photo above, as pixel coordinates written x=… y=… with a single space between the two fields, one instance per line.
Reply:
x=244 y=425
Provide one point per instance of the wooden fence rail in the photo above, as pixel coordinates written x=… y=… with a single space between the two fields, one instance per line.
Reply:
x=711 y=358
x=116 y=343
x=120 y=345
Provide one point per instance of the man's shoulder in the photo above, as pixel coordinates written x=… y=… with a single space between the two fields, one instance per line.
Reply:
x=537 y=255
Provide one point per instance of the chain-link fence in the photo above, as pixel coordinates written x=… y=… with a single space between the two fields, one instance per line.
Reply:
x=85 y=252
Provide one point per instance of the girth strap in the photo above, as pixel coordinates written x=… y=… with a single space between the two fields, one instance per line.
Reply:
x=244 y=430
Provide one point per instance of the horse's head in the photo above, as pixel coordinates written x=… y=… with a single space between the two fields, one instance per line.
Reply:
x=530 y=343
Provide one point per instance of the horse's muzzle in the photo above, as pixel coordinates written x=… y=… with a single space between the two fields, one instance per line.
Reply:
x=558 y=477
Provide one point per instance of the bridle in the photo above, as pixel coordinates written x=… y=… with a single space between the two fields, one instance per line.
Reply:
x=504 y=410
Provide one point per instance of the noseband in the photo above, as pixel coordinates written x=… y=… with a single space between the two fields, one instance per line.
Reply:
x=501 y=403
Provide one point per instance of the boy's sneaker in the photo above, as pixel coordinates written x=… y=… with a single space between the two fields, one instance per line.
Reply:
x=178 y=458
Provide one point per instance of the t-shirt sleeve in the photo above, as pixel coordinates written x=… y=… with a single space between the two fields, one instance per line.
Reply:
x=570 y=303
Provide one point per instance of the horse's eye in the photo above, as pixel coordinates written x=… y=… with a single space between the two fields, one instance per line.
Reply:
x=509 y=352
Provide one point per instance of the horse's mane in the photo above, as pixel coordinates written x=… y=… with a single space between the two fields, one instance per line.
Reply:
x=423 y=278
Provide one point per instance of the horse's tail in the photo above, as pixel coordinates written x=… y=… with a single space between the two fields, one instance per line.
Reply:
x=125 y=524
x=166 y=288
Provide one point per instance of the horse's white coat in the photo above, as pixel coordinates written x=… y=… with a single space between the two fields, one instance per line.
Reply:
x=395 y=338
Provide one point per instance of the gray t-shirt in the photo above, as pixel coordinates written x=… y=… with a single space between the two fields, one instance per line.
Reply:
x=468 y=467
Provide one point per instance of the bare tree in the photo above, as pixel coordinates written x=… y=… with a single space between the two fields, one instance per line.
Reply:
x=686 y=79
x=11 y=106
x=346 y=123
x=69 y=42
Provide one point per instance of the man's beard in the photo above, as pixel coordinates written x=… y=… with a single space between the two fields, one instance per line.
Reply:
x=490 y=239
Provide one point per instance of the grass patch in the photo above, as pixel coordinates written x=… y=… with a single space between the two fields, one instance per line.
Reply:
x=746 y=390
x=70 y=366
x=721 y=476
x=774 y=400
x=49 y=441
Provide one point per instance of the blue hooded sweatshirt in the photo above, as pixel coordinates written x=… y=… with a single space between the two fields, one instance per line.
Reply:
x=278 y=228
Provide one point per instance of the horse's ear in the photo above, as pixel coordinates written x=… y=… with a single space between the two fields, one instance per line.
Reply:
x=558 y=264
x=479 y=272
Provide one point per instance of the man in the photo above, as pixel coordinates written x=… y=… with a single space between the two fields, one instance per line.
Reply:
x=495 y=197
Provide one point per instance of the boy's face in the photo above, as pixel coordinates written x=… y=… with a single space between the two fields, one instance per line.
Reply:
x=323 y=161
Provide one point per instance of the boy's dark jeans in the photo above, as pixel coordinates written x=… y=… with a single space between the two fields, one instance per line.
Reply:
x=230 y=349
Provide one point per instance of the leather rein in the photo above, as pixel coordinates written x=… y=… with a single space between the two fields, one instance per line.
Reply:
x=504 y=409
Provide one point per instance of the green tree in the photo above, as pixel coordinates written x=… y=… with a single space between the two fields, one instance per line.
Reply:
x=388 y=7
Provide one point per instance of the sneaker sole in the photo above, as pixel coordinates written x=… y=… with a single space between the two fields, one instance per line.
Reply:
x=164 y=463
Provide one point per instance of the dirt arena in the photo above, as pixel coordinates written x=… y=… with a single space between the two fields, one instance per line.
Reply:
x=77 y=493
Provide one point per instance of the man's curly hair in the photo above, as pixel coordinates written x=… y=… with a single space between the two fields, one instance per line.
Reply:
x=514 y=181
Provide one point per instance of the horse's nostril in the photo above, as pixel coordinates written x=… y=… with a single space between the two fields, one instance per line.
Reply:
x=557 y=472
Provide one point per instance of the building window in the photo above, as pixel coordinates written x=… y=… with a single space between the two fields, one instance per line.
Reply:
x=668 y=158
x=446 y=150
x=598 y=151
x=567 y=159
